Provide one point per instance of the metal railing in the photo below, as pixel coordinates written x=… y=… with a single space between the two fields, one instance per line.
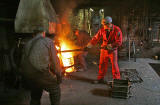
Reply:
x=132 y=45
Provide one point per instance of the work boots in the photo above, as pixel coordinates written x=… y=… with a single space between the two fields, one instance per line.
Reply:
x=102 y=81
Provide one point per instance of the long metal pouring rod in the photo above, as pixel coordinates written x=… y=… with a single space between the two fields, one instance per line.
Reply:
x=71 y=50
x=81 y=49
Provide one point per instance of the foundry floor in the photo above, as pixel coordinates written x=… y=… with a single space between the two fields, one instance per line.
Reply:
x=78 y=89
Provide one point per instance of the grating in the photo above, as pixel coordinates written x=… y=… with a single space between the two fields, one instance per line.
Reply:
x=132 y=75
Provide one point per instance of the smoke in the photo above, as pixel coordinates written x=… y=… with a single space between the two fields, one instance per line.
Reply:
x=66 y=6
x=64 y=10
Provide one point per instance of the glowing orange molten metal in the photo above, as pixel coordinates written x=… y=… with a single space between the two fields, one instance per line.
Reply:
x=64 y=32
x=66 y=58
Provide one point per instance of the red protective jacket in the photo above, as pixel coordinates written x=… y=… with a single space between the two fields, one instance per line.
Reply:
x=115 y=37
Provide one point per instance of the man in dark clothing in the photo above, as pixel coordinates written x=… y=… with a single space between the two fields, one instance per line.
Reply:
x=112 y=39
x=41 y=69
x=81 y=40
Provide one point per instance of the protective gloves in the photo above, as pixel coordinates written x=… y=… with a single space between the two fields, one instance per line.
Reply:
x=109 y=47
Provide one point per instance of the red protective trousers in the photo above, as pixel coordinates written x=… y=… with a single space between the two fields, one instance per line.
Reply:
x=115 y=39
x=103 y=64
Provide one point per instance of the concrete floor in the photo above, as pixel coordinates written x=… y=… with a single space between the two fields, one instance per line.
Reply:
x=78 y=89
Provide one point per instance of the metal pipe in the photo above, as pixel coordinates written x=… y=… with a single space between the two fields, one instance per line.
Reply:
x=66 y=67
x=63 y=51
x=129 y=50
x=81 y=49
x=134 y=51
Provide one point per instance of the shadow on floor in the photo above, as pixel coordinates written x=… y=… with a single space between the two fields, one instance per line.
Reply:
x=101 y=92
x=80 y=78
x=156 y=67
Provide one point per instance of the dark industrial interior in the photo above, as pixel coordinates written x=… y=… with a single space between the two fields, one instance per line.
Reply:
x=139 y=21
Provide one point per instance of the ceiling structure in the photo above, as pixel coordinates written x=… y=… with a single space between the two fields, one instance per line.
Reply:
x=153 y=4
x=143 y=10
x=8 y=8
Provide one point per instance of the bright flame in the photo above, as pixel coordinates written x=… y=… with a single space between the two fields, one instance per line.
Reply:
x=67 y=58
x=63 y=35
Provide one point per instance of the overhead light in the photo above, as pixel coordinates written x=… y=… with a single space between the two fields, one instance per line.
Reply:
x=91 y=9
x=101 y=10
x=149 y=28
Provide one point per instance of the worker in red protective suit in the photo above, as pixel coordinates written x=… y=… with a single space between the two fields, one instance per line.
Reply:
x=112 y=39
